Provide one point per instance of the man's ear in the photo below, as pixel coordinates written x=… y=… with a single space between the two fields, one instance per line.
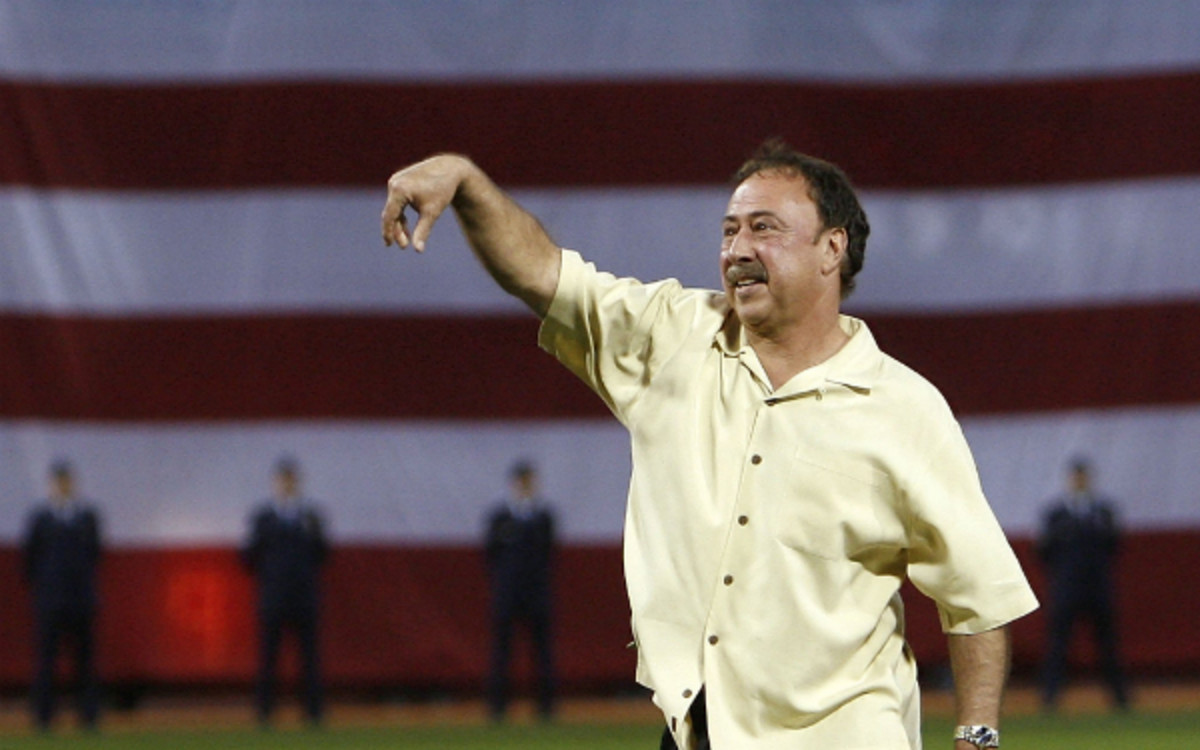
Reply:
x=835 y=241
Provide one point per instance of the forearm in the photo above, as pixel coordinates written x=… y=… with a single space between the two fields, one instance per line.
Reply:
x=508 y=240
x=980 y=664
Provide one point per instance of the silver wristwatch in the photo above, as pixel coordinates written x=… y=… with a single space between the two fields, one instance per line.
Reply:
x=979 y=735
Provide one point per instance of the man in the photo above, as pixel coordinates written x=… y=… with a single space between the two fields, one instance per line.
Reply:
x=61 y=552
x=787 y=475
x=285 y=550
x=1078 y=545
x=519 y=547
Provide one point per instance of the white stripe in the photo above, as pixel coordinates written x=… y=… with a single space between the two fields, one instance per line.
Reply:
x=458 y=39
x=432 y=481
x=132 y=253
x=1029 y=247
x=1144 y=458
x=415 y=482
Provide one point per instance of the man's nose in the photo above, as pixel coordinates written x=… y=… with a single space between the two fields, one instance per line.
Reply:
x=739 y=247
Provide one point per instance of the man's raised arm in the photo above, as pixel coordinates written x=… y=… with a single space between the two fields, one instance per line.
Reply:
x=509 y=241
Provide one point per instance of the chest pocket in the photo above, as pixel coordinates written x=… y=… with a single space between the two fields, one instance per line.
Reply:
x=835 y=506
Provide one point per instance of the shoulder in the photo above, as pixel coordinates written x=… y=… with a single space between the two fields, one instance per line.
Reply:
x=1107 y=508
x=36 y=521
x=909 y=396
x=1055 y=509
x=583 y=286
x=911 y=383
x=864 y=362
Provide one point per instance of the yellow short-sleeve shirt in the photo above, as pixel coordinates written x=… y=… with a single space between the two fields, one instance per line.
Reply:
x=768 y=531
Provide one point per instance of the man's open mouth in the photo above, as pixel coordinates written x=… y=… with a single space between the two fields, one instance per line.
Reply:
x=744 y=276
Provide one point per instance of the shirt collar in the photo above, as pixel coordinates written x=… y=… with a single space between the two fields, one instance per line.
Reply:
x=523 y=508
x=856 y=365
x=287 y=508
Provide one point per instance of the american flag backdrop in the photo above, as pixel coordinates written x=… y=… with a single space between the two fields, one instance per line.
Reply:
x=192 y=280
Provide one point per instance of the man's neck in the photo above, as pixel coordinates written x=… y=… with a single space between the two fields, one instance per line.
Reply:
x=786 y=354
x=523 y=503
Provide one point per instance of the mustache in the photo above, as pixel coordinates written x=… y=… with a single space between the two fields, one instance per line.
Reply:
x=736 y=274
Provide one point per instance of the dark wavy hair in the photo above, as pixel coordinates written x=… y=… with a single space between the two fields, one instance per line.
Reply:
x=829 y=188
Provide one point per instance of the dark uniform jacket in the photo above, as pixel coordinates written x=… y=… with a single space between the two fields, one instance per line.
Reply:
x=61 y=550
x=285 y=551
x=519 y=550
x=1078 y=543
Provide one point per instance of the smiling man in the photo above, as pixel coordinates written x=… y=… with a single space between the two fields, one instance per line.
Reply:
x=787 y=261
x=788 y=476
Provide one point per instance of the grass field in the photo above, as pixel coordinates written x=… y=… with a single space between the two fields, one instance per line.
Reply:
x=1137 y=731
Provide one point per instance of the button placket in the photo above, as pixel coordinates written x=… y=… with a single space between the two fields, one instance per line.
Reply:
x=742 y=520
x=756 y=459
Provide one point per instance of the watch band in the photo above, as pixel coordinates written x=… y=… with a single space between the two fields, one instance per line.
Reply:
x=979 y=735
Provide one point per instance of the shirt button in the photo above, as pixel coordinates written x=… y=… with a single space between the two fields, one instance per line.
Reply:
x=743 y=520
x=728 y=580
x=712 y=639
x=687 y=693
x=756 y=459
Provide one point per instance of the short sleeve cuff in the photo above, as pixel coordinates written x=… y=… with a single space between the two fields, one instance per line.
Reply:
x=1006 y=604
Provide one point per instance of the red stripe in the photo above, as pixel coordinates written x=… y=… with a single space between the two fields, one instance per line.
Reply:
x=185 y=615
x=1046 y=360
x=595 y=133
x=376 y=367
x=281 y=367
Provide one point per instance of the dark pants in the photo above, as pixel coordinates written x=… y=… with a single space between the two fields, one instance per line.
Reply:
x=75 y=626
x=1065 y=612
x=273 y=623
x=699 y=713
x=504 y=622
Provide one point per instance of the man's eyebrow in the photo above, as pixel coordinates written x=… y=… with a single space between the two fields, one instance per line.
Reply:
x=752 y=215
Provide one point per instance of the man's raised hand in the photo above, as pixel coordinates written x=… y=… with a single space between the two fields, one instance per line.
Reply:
x=508 y=240
x=428 y=187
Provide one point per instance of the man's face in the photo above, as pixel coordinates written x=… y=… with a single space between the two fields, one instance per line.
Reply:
x=62 y=487
x=1081 y=480
x=524 y=486
x=777 y=260
x=287 y=484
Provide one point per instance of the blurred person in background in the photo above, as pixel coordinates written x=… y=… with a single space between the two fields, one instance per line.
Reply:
x=285 y=551
x=61 y=551
x=519 y=547
x=1078 y=545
